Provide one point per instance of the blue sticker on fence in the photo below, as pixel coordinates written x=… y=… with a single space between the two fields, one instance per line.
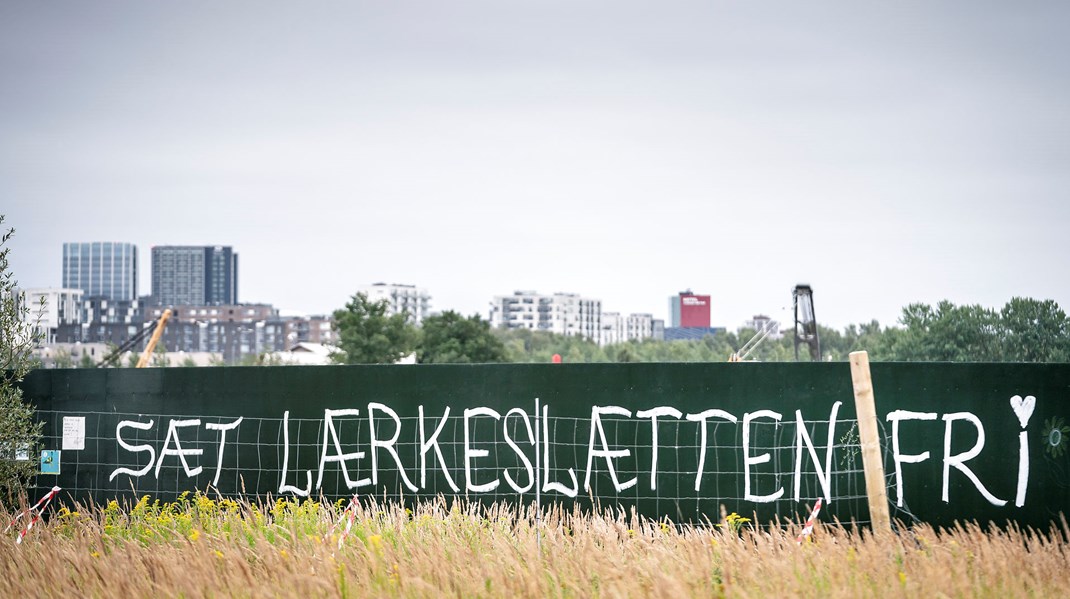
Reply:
x=50 y=461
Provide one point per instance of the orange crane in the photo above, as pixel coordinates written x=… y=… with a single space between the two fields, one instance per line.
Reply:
x=143 y=361
x=155 y=328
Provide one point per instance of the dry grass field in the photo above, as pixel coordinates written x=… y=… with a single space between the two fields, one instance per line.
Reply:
x=198 y=547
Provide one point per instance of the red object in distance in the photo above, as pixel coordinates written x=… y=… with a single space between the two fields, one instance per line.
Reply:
x=694 y=311
x=556 y=359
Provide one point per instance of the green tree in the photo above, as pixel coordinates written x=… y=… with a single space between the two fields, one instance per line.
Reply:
x=159 y=357
x=86 y=361
x=452 y=338
x=868 y=337
x=625 y=353
x=1025 y=330
x=948 y=333
x=261 y=359
x=62 y=358
x=249 y=360
x=366 y=335
x=525 y=345
x=19 y=433
x=1034 y=331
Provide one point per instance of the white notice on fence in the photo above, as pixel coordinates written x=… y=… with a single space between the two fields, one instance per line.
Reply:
x=73 y=432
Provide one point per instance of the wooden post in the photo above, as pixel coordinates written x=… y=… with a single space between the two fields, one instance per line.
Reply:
x=869 y=434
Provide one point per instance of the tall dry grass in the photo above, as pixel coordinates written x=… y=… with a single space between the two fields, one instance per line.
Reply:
x=201 y=547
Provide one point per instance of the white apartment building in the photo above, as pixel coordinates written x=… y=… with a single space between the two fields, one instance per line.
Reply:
x=612 y=328
x=48 y=308
x=561 y=313
x=401 y=299
x=633 y=327
x=639 y=326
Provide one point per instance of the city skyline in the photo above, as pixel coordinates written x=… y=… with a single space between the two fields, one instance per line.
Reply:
x=884 y=155
x=194 y=261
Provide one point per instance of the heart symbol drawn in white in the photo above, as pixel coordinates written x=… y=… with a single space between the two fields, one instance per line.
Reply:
x=1023 y=408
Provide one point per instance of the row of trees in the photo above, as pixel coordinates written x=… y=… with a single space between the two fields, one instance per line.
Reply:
x=1024 y=330
x=368 y=335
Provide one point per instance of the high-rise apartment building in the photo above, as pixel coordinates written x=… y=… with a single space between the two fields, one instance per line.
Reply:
x=561 y=313
x=194 y=275
x=401 y=299
x=101 y=268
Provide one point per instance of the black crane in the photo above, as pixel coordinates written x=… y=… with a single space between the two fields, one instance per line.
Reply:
x=805 y=322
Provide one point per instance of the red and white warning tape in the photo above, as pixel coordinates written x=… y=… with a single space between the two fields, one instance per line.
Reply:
x=350 y=515
x=40 y=506
x=809 y=528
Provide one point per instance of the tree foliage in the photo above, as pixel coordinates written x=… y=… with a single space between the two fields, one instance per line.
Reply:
x=367 y=335
x=62 y=358
x=19 y=433
x=452 y=338
x=1024 y=330
x=946 y=333
x=1035 y=331
x=524 y=345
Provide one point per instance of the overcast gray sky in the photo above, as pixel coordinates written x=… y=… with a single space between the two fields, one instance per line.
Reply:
x=885 y=153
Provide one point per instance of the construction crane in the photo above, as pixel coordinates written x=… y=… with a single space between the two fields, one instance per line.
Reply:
x=155 y=328
x=805 y=322
x=143 y=361
x=805 y=328
x=742 y=353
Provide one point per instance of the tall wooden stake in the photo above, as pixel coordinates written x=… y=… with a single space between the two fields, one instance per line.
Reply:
x=869 y=435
